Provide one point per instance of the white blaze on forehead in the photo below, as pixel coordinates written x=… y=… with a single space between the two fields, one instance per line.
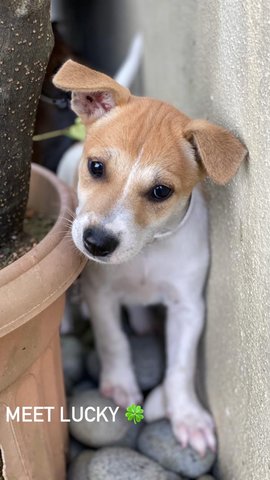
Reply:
x=139 y=173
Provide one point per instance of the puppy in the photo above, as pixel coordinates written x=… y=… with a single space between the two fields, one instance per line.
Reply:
x=142 y=222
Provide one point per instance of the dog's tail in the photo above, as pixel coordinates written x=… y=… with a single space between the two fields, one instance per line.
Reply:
x=130 y=67
x=155 y=404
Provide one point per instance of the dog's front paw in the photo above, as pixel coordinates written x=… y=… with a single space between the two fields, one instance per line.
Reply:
x=123 y=393
x=193 y=425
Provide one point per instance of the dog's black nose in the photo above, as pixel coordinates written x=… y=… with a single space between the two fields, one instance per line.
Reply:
x=98 y=242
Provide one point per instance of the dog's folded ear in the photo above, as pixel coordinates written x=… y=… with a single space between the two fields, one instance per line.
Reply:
x=93 y=93
x=218 y=151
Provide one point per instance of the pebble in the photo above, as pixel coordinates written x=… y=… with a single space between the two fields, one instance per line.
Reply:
x=74 y=449
x=131 y=437
x=173 y=476
x=148 y=359
x=79 y=468
x=73 y=361
x=158 y=442
x=96 y=434
x=206 y=477
x=123 y=464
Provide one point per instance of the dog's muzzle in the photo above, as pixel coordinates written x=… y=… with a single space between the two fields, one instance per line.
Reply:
x=98 y=242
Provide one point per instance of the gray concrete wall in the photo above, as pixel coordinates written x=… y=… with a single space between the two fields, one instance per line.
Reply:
x=212 y=59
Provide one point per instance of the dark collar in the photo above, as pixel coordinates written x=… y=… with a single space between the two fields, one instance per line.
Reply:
x=61 y=103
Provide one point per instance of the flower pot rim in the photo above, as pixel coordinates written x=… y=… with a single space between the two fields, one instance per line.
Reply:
x=40 y=276
x=53 y=236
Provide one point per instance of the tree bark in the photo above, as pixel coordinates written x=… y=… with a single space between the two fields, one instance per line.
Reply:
x=25 y=44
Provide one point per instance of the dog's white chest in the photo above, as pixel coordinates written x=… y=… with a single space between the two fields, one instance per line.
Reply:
x=158 y=273
x=143 y=282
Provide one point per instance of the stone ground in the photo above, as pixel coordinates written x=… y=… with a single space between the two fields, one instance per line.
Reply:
x=121 y=450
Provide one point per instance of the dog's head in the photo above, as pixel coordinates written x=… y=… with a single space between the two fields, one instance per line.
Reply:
x=141 y=160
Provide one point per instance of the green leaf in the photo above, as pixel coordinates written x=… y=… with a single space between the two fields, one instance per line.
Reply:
x=135 y=413
x=139 y=409
x=76 y=131
x=130 y=416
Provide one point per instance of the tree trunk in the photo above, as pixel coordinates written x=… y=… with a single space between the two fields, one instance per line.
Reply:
x=25 y=45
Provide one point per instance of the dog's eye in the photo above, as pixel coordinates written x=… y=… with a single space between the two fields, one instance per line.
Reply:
x=96 y=168
x=160 y=192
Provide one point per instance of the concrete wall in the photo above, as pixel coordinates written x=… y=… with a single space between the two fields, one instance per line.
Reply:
x=211 y=58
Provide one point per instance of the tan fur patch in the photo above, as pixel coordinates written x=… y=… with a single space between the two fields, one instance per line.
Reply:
x=145 y=135
x=220 y=152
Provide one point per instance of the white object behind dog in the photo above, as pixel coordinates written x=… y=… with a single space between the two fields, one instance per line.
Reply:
x=125 y=76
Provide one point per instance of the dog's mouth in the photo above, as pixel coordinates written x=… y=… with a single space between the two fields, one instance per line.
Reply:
x=102 y=244
x=99 y=259
x=117 y=257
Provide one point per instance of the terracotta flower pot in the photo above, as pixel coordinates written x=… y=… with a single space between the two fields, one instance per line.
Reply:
x=32 y=296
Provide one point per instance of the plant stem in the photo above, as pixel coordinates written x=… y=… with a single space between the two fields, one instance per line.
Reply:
x=47 y=135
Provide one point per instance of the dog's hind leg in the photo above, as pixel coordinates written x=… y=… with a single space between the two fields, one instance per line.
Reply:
x=155 y=404
x=141 y=319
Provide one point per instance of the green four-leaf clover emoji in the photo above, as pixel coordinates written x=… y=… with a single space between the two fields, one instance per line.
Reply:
x=134 y=413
